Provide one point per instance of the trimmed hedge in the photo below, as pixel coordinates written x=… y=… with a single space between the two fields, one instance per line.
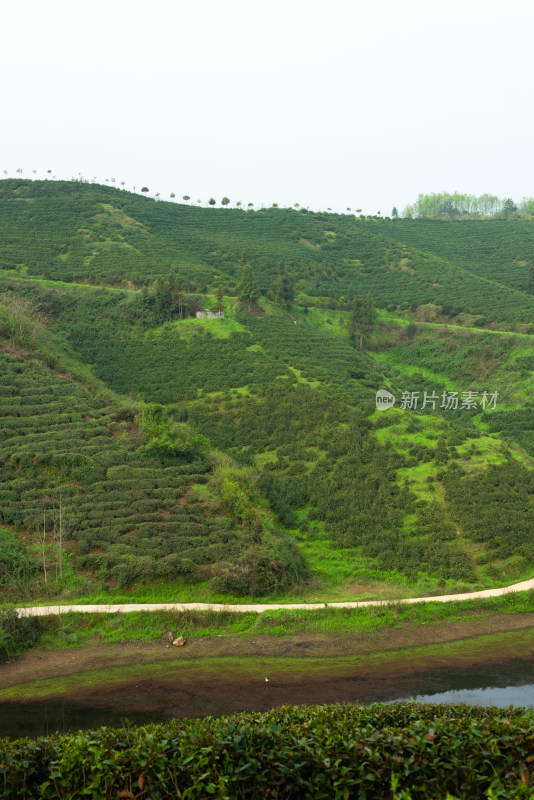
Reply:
x=402 y=750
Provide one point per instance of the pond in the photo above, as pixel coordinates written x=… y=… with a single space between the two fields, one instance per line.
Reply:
x=502 y=684
x=490 y=686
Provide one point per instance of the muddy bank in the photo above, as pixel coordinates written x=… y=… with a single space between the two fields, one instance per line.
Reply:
x=149 y=681
x=43 y=663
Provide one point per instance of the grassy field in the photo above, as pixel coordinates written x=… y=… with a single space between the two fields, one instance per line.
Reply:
x=74 y=630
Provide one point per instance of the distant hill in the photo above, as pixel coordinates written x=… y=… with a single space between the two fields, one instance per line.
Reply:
x=82 y=232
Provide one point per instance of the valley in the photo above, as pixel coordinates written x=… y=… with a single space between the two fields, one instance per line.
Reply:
x=237 y=468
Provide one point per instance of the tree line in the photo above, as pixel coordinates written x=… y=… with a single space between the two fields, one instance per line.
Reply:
x=443 y=205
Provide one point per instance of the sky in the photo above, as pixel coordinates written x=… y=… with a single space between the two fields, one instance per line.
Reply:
x=359 y=105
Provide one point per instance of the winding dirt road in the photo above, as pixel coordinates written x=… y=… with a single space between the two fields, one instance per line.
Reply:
x=42 y=611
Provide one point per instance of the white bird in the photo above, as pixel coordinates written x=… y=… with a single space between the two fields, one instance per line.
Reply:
x=266 y=680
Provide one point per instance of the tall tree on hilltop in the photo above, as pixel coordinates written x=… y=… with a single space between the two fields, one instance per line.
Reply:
x=282 y=290
x=145 y=301
x=163 y=304
x=247 y=288
x=362 y=318
x=219 y=305
x=170 y=297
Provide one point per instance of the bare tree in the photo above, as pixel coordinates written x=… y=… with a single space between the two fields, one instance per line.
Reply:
x=43 y=545
x=60 y=532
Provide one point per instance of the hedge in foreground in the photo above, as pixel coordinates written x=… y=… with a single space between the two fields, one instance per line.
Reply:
x=404 y=750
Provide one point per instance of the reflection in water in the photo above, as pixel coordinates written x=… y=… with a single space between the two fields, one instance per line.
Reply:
x=497 y=685
x=46 y=717
x=490 y=696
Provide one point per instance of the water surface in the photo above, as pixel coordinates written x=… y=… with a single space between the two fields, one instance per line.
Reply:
x=501 y=685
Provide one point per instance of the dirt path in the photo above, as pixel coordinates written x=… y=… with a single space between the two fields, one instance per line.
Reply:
x=41 y=611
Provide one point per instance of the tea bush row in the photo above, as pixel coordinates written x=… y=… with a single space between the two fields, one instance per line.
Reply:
x=335 y=752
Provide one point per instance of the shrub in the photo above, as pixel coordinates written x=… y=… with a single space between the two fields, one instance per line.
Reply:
x=17 y=633
x=274 y=566
x=15 y=562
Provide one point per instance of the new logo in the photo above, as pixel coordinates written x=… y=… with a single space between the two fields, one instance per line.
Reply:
x=384 y=400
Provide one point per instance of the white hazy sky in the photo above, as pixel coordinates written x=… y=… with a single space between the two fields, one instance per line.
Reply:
x=328 y=104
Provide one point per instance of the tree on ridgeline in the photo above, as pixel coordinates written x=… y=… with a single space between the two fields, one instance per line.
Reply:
x=526 y=209
x=508 y=207
x=395 y=213
x=225 y=201
x=443 y=205
x=247 y=288
x=212 y=201
x=362 y=318
x=186 y=198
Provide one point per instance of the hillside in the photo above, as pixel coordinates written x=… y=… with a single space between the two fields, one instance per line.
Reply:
x=498 y=250
x=90 y=233
x=244 y=456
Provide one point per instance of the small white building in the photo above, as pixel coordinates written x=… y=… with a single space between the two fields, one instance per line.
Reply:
x=209 y=314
